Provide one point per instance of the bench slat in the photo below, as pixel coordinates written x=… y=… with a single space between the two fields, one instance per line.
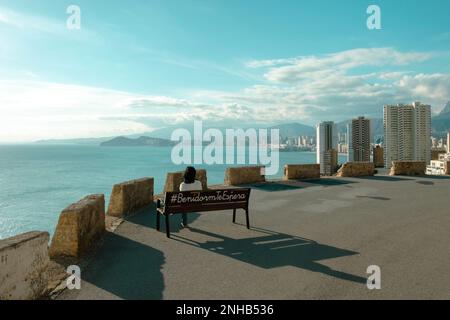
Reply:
x=203 y=201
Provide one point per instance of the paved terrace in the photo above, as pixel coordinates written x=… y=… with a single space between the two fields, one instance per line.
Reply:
x=308 y=240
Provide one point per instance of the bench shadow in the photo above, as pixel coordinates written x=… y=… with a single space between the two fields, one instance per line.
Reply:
x=127 y=269
x=274 y=249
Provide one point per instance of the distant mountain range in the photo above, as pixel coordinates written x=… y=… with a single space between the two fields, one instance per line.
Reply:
x=446 y=109
x=138 y=142
x=441 y=122
x=289 y=130
x=80 y=141
x=161 y=137
x=377 y=127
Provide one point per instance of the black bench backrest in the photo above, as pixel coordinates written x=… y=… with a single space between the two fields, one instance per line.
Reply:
x=212 y=200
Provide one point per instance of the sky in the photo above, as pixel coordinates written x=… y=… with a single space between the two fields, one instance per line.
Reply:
x=135 y=66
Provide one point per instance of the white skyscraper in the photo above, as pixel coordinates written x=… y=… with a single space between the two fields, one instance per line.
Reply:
x=359 y=138
x=448 y=142
x=327 y=139
x=407 y=133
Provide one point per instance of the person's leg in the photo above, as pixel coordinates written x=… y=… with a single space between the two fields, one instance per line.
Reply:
x=185 y=220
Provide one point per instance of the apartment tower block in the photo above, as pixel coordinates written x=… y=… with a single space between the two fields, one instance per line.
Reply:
x=407 y=133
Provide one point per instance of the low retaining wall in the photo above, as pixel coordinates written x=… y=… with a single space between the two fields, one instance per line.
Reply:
x=174 y=179
x=356 y=169
x=79 y=226
x=301 y=171
x=23 y=262
x=131 y=196
x=244 y=175
x=408 y=168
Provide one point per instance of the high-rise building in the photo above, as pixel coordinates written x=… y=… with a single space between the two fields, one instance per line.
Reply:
x=359 y=138
x=327 y=139
x=378 y=157
x=448 y=142
x=330 y=162
x=407 y=133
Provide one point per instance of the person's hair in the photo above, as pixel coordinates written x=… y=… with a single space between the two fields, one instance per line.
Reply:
x=189 y=175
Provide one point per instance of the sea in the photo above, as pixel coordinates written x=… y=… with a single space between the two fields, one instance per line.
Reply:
x=38 y=181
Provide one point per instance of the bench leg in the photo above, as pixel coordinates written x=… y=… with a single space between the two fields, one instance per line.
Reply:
x=247 y=218
x=234 y=215
x=158 y=221
x=167 y=225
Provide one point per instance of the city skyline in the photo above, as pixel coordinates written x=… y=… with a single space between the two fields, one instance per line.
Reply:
x=131 y=70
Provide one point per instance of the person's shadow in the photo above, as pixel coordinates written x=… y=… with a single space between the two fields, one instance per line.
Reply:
x=274 y=250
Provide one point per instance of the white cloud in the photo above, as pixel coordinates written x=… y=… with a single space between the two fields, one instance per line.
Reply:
x=292 y=70
x=434 y=87
x=32 y=110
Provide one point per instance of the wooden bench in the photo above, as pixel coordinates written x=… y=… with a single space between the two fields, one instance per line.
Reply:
x=203 y=201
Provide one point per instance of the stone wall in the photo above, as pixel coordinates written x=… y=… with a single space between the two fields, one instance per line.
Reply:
x=174 y=179
x=356 y=169
x=79 y=226
x=23 y=262
x=301 y=171
x=408 y=168
x=131 y=196
x=244 y=175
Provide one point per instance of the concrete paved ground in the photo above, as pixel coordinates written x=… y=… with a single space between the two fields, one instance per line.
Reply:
x=308 y=240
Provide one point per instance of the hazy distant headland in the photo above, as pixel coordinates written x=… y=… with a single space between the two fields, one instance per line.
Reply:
x=138 y=142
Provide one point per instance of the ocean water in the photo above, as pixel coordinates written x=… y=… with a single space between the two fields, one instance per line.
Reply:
x=38 y=181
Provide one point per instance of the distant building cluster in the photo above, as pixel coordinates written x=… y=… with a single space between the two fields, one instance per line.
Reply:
x=301 y=143
x=407 y=137
x=440 y=156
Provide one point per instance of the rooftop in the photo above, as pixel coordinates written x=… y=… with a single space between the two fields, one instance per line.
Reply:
x=311 y=239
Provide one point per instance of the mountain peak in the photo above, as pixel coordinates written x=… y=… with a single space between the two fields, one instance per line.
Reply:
x=446 y=109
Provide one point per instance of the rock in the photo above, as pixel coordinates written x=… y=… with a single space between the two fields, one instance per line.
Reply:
x=408 y=168
x=301 y=171
x=244 y=175
x=131 y=196
x=356 y=169
x=80 y=225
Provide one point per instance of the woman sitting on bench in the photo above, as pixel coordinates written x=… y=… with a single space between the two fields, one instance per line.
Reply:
x=189 y=184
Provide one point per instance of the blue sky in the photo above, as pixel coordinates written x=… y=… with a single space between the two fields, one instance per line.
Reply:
x=138 y=65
